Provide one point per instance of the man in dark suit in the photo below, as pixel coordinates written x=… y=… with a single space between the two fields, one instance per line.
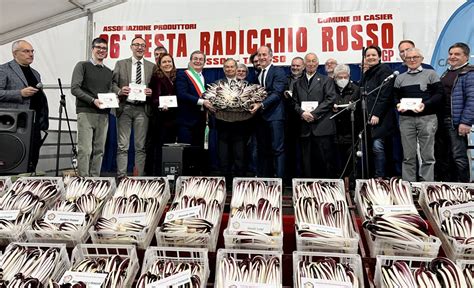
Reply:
x=132 y=113
x=19 y=89
x=231 y=136
x=271 y=125
x=191 y=118
x=314 y=96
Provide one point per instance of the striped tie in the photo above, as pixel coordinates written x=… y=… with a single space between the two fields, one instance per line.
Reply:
x=139 y=73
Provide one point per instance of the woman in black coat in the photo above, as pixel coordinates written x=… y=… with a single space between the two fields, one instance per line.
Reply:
x=162 y=128
x=380 y=109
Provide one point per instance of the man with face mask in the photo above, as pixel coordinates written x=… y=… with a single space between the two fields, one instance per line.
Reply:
x=347 y=92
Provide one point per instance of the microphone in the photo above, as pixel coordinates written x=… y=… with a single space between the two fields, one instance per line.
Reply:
x=393 y=75
x=39 y=86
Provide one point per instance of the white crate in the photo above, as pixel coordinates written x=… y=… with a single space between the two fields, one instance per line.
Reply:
x=453 y=249
x=335 y=244
x=195 y=240
x=413 y=263
x=242 y=255
x=353 y=260
x=17 y=234
x=377 y=246
x=143 y=238
x=63 y=263
x=83 y=251
x=260 y=242
x=192 y=240
x=71 y=238
x=177 y=255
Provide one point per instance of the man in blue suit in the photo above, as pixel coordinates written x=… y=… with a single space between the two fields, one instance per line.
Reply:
x=270 y=127
x=20 y=89
x=191 y=118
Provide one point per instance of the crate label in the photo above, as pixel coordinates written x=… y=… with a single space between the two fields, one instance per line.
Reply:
x=328 y=230
x=92 y=280
x=9 y=215
x=183 y=213
x=388 y=209
x=176 y=280
x=448 y=211
x=58 y=217
x=241 y=284
x=262 y=226
x=137 y=218
x=318 y=283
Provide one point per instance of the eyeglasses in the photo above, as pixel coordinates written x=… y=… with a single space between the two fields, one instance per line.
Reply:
x=103 y=48
x=27 y=51
x=137 y=45
x=414 y=58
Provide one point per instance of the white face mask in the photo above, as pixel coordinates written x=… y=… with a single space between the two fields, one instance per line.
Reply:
x=342 y=82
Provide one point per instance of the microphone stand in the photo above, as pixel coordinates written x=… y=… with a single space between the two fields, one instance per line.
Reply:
x=352 y=107
x=62 y=104
x=363 y=98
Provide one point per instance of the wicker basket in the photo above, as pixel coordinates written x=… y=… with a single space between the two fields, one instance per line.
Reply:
x=233 y=116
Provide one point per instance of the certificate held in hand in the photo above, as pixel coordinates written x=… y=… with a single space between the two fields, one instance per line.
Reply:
x=168 y=101
x=137 y=92
x=109 y=100
x=410 y=103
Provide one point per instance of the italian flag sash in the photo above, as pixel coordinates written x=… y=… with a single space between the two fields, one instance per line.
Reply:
x=196 y=80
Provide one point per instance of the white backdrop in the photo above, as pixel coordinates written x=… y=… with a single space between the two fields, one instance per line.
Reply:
x=59 y=48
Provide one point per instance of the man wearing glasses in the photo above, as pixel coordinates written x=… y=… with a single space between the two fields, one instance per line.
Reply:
x=130 y=75
x=20 y=88
x=418 y=93
x=457 y=114
x=90 y=78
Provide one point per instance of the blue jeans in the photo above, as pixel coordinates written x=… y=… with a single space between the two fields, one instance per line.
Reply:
x=378 y=150
x=458 y=153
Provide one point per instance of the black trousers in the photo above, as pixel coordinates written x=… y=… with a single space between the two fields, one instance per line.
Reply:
x=36 y=142
x=318 y=153
x=231 y=142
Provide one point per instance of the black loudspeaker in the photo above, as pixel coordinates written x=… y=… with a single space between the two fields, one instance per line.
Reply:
x=180 y=159
x=16 y=128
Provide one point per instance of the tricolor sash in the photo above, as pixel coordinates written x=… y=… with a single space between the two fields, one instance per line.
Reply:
x=196 y=80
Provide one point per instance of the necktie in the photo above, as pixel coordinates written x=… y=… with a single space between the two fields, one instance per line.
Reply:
x=262 y=80
x=138 y=80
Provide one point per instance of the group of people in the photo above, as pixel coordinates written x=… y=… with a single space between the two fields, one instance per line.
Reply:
x=292 y=132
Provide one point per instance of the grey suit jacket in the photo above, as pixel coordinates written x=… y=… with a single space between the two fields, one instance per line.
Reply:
x=12 y=80
x=122 y=77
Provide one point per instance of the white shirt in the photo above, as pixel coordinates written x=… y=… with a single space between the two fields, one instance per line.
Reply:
x=134 y=70
x=263 y=81
x=310 y=76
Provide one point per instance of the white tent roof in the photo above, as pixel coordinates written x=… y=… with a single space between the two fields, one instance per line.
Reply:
x=20 y=18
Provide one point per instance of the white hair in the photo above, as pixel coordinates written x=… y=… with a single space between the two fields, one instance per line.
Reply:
x=16 y=44
x=342 y=68
x=417 y=50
